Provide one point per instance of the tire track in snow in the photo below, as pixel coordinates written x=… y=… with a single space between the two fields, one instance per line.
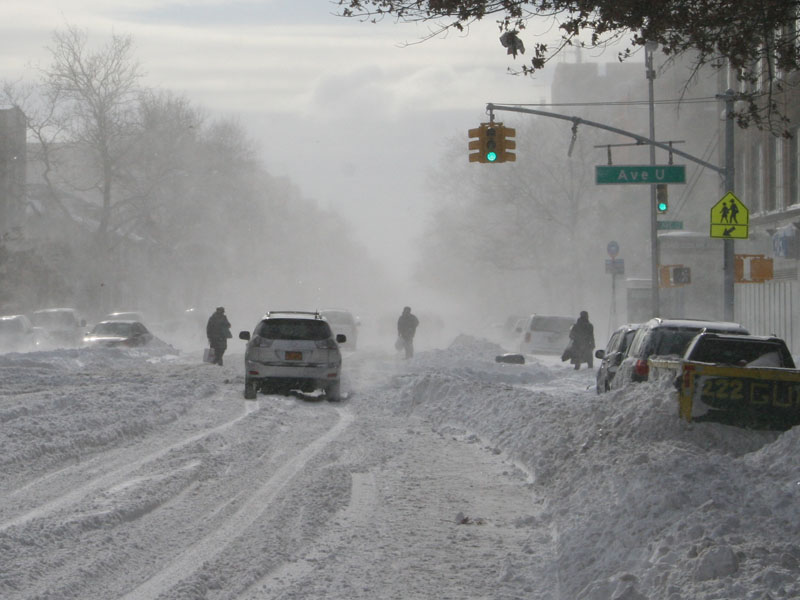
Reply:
x=111 y=478
x=363 y=500
x=197 y=554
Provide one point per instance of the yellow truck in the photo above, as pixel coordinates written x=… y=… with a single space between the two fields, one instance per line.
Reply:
x=744 y=380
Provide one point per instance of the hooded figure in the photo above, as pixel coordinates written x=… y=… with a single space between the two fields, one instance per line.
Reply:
x=218 y=330
x=582 y=341
x=406 y=328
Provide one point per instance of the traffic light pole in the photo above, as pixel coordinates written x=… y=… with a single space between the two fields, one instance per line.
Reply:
x=729 y=255
x=655 y=290
x=727 y=172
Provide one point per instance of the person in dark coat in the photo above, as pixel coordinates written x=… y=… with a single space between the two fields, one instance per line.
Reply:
x=406 y=329
x=581 y=337
x=218 y=331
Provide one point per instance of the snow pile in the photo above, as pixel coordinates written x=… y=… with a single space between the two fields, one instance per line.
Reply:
x=645 y=505
x=116 y=459
x=76 y=401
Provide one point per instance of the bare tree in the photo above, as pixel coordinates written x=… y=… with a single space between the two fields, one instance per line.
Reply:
x=96 y=90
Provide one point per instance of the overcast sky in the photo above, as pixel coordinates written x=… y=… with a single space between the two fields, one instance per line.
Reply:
x=347 y=110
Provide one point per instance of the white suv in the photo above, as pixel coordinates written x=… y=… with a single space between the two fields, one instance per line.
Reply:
x=292 y=350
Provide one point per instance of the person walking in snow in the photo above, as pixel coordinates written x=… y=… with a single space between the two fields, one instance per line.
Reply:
x=218 y=331
x=581 y=337
x=406 y=329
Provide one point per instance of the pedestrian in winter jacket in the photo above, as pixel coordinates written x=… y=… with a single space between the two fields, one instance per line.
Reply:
x=581 y=337
x=406 y=329
x=218 y=330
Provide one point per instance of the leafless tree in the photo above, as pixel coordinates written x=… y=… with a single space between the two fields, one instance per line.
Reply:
x=96 y=91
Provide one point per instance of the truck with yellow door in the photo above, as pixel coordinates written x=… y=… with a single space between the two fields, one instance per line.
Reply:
x=743 y=380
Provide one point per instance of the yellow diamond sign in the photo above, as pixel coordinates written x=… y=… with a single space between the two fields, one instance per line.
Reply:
x=729 y=218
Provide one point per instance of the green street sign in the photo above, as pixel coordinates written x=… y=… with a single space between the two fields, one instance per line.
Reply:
x=669 y=225
x=642 y=174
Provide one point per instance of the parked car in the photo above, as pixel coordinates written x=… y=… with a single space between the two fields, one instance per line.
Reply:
x=614 y=353
x=343 y=321
x=17 y=334
x=118 y=333
x=664 y=337
x=740 y=351
x=292 y=350
x=125 y=316
x=545 y=334
x=62 y=326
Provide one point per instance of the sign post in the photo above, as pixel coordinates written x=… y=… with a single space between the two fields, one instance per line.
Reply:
x=614 y=266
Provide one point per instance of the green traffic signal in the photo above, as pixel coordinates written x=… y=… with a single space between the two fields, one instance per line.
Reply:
x=491 y=144
x=662 y=198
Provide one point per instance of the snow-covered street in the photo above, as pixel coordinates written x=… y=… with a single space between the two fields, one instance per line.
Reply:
x=144 y=474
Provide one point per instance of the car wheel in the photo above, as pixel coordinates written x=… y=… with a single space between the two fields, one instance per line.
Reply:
x=332 y=392
x=250 y=389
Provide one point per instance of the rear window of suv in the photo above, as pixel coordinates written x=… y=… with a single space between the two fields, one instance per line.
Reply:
x=294 y=329
x=672 y=341
x=551 y=324
x=734 y=352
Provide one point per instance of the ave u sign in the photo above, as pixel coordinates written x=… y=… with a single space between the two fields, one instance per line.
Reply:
x=492 y=143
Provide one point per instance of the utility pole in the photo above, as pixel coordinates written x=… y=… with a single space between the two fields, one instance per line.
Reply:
x=649 y=48
x=730 y=172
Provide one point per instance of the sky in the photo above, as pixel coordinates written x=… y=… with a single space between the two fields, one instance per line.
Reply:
x=356 y=114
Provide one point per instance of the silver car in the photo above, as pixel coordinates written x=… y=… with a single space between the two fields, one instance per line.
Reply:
x=292 y=350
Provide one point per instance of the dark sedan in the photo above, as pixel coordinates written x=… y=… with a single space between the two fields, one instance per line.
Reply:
x=118 y=333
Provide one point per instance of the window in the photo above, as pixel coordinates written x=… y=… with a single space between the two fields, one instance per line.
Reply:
x=756 y=189
x=774 y=198
x=551 y=324
x=294 y=329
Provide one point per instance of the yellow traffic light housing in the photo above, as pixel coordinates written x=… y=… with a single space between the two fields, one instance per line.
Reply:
x=477 y=144
x=485 y=142
x=507 y=143
x=491 y=143
x=662 y=198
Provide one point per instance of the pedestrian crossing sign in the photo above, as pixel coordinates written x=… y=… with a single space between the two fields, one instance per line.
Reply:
x=730 y=218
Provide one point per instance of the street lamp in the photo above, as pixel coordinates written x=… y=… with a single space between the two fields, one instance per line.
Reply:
x=649 y=48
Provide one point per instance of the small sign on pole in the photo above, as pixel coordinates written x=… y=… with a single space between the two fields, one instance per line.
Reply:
x=615 y=266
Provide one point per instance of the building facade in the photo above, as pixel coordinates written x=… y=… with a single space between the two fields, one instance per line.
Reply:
x=13 y=160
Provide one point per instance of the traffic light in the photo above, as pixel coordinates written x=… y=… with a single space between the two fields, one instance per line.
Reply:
x=480 y=143
x=662 y=198
x=507 y=143
x=492 y=142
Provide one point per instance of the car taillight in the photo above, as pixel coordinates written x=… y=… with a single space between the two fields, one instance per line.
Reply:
x=687 y=375
x=641 y=368
x=326 y=344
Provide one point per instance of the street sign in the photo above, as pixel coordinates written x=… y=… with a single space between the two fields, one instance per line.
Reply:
x=729 y=218
x=615 y=266
x=642 y=174
x=661 y=225
x=612 y=249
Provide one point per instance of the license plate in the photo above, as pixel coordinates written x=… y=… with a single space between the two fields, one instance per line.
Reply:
x=294 y=356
